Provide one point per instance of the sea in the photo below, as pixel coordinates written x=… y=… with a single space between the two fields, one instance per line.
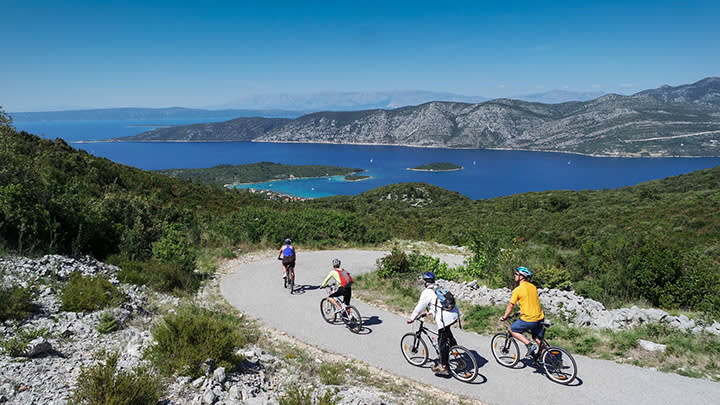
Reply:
x=485 y=173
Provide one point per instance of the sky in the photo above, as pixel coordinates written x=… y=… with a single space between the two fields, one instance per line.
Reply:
x=60 y=54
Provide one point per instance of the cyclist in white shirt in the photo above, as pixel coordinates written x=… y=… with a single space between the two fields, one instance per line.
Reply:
x=444 y=319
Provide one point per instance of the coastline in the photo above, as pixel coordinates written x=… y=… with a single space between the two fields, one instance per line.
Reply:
x=435 y=170
x=597 y=155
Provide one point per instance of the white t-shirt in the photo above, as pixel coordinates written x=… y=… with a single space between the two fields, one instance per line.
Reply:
x=428 y=299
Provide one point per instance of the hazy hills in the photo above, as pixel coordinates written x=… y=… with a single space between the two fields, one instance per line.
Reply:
x=668 y=121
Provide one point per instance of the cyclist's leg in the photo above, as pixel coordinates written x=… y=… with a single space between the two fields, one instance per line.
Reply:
x=444 y=338
x=516 y=330
x=347 y=294
x=332 y=296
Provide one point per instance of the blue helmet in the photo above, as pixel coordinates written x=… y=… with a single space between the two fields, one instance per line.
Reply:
x=428 y=277
x=523 y=271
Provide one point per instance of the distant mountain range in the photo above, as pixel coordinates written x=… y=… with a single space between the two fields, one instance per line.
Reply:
x=289 y=105
x=149 y=114
x=668 y=121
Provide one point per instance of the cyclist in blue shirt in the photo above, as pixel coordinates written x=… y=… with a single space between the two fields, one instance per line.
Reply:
x=287 y=254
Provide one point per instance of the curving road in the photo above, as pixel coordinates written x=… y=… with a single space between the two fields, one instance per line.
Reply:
x=256 y=289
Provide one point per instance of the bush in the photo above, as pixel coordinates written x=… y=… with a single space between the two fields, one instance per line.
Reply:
x=393 y=264
x=187 y=339
x=107 y=323
x=16 y=346
x=552 y=277
x=332 y=373
x=160 y=276
x=104 y=384
x=16 y=303
x=83 y=294
x=174 y=248
x=300 y=396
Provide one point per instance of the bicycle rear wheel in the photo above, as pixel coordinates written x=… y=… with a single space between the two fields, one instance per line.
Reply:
x=559 y=365
x=291 y=282
x=327 y=310
x=462 y=364
x=353 y=319
x=505 y=349
x=414 y=349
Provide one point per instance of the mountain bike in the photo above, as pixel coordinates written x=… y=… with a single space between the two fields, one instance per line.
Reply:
x=289 y=278
x=461 y=362
x=347 y=314
x=558 y=363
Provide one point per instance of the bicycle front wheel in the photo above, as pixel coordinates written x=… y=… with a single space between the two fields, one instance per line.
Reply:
x=353 y=319
x=414 y=349
x=505 y=349
x=462 y=364
x=327 y=309
x=559 y=365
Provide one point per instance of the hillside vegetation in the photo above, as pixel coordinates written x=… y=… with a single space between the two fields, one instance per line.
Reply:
x=657 y=243
x=255 y=172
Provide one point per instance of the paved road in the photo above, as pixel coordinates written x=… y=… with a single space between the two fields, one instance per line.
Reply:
x=256 y=289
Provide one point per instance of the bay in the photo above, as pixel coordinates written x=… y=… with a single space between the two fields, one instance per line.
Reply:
x=486 y=173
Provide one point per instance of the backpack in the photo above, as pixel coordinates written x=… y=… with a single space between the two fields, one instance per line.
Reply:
x=346 y=279
x=446 y=298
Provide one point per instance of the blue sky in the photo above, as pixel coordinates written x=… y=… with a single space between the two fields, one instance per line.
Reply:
x=97 y=54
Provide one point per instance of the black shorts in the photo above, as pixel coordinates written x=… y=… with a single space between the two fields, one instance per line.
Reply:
x=289 y=261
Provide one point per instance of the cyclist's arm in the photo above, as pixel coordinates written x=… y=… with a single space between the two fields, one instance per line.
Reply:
x=508 y=310
x=329 y=276
x=423 y=303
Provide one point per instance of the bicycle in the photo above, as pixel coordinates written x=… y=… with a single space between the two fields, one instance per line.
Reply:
x=289 y=278
x=558 y=363
x=348 y=314
x=461 y=362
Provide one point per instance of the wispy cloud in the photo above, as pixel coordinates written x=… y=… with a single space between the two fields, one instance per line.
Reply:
x=627 y=85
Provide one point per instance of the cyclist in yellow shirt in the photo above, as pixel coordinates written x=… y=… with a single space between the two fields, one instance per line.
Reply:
x=531 y=315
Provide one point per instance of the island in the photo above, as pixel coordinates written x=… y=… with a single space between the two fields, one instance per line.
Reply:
x=230 y=175
x=356 y=177
x=437 y=167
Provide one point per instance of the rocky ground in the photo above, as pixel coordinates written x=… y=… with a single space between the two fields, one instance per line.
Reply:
x=47 y=371
x=581 y=311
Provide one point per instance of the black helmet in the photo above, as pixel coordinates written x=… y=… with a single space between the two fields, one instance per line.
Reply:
x=336 y=262
x=428 y=277
x=288 y=240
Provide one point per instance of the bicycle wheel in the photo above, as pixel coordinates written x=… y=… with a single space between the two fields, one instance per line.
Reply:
x=414 y=349
x=505 y=349
x=559 y=365
x=291 y=283
x=462 y=364
x=353 y=320
x=327 y=309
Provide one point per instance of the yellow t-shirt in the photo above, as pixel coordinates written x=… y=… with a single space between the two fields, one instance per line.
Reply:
x=526 y=294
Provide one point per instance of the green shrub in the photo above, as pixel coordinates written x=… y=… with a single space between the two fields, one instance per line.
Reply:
x=393 y=264
x=16 y=303
x=552 y=277
x=160 y=276
x=185 y=340
x=89 y=294
x=301 y=396
x=107 y=323
x=174 y=247
x=105 y=384
x=332 y=373
x=16 y=346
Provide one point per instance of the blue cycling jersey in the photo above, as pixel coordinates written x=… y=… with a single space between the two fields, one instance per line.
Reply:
x=288 y=251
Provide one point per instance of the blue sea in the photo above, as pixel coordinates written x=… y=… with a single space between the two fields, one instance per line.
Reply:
x=486 y=173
